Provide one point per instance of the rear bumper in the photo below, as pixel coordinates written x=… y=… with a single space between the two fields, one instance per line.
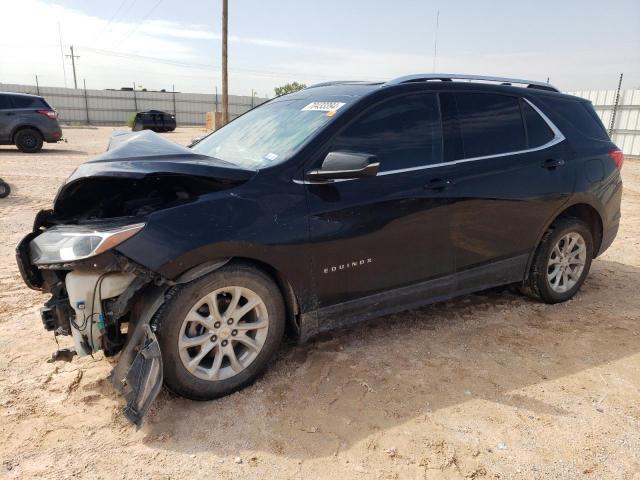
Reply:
x=53 y=136
x=608 y=236
x=611 y=215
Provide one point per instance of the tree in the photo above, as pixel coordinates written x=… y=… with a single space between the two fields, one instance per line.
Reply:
x=289 y=88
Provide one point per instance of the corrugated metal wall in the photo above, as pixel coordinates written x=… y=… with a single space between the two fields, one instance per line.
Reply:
x=112 y=107
x=626 y=131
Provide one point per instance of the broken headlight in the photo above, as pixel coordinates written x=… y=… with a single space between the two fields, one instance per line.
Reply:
x=68 y=243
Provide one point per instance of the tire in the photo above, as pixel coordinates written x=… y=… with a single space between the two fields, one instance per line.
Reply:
x=546 y=280
x=5 y=189
x=176 y=330
x=28 y=140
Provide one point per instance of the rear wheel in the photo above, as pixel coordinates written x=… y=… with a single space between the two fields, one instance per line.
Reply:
x=219 y=333
x=561 y=262
x=28 y=140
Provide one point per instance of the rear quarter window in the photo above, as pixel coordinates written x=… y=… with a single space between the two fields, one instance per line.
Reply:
x=580 y=116
x=28 y=102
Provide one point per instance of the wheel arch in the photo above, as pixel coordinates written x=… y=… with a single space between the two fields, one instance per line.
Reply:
x=292 y=305
x=583 y=211
x=23 y=126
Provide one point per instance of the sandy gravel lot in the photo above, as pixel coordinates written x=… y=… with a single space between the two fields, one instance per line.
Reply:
x=489 y=385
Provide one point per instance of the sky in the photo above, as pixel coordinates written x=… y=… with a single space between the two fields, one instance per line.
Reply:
x=578 y=45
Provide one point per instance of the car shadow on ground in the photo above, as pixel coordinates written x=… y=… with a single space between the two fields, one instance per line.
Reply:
x=44 y=151
x=346 y=386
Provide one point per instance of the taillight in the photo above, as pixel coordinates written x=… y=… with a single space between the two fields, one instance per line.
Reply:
x=49 y=113
x=618 y=157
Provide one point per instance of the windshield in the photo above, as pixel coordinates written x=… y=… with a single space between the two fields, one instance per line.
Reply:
x=269 y=134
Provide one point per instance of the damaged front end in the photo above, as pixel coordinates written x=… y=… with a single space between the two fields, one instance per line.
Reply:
x=101 y=298
x=104 y=301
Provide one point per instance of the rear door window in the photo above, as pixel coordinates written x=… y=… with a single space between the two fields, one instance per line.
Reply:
x=28 y=102
x=403 y=132
x=538 y=132
x=490 y=124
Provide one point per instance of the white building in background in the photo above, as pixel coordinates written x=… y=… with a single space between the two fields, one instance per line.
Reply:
x=626 y=129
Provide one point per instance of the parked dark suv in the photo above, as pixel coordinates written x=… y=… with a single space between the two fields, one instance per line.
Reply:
x=27 y=121
x=319 y=209
x=154 y=120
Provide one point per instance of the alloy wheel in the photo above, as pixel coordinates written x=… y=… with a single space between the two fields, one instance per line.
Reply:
x=223 y=333
x=566 y=262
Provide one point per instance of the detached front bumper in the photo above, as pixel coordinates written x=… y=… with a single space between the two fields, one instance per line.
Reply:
x=31 y=276
x=138 y=375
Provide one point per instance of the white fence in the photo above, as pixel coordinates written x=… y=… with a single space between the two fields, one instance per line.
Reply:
x=112 y=107
x=626 y=128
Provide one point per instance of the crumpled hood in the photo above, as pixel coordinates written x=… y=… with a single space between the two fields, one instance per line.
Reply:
x=138 y=154
x=140 y=173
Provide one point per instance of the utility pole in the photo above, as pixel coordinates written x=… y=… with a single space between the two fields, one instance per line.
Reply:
x=435 y=41
x=173 y=90
x=225 y=78
x=135 y=100
x=86 y=101
x=37 y=85
x=73 y=64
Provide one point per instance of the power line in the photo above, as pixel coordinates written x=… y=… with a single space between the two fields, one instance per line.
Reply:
x=64 y=69
x=125 y=13
x=201 y=66
x=110 y=21
x=140 y=22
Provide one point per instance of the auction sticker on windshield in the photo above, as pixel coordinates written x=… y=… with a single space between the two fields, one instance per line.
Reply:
x=323 y=106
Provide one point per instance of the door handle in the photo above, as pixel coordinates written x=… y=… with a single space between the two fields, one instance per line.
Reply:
x=437 y=184
x=552 y=163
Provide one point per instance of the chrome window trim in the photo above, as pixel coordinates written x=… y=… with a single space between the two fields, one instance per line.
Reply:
x=558 y=137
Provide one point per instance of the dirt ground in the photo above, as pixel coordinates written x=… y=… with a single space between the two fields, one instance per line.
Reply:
x=489 y=385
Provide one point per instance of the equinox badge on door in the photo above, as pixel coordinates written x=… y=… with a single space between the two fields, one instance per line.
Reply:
x=348 y=265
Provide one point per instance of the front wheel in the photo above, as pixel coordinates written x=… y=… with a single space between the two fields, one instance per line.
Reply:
x=561 y=262
x=219 y=333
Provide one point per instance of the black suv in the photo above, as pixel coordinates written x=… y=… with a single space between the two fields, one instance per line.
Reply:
x=319 y=209
x=27 y=121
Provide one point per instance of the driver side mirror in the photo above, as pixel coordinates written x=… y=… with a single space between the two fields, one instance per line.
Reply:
x=345 y=165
